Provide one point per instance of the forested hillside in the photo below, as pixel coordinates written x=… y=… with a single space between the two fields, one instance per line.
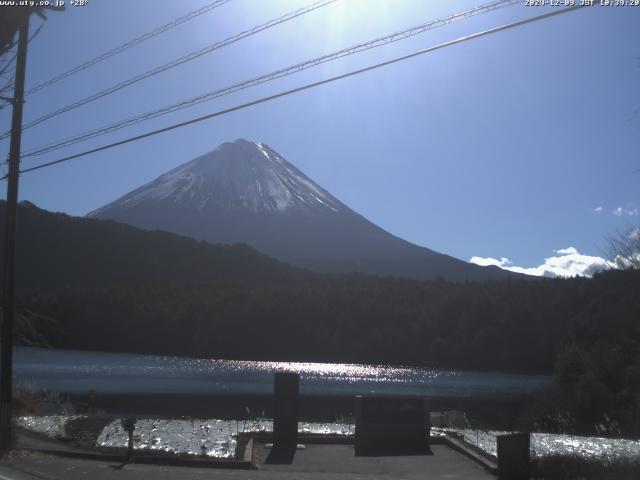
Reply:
x=112 y=287
x=508 y=326
x=56 y=250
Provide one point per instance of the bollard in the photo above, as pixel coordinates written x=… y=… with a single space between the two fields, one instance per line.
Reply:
x=285 y=418
x=513 y=456
x=129 y=424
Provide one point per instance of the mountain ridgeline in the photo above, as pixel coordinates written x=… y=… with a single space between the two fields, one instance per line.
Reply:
x=55 y=251
x=245 y=192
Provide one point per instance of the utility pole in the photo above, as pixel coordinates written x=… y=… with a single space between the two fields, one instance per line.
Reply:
x=8 y=285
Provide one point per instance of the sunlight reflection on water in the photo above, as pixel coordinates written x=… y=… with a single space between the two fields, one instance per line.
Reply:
x=76 y=372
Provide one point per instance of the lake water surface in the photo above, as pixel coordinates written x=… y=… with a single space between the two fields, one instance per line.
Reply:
x=76 y=372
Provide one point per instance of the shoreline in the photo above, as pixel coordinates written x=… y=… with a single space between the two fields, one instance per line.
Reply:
x=480 y=411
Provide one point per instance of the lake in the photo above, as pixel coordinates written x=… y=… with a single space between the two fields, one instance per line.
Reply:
x=76 y=372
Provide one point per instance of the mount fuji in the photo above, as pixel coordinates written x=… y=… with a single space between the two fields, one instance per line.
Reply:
x=245 y=192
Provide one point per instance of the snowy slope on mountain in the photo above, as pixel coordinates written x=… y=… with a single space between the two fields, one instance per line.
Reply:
x=245 y=192
x=239 y=176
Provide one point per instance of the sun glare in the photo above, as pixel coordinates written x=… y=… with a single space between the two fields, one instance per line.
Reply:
x=348 y=15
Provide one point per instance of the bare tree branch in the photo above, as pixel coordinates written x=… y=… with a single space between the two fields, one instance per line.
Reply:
x=624 y=249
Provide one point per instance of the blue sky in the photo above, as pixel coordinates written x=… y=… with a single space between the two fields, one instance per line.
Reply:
x=512 y=146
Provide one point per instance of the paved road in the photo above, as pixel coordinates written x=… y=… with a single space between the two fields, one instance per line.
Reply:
x=51 y=468
x=339 y=461
x=334 y=462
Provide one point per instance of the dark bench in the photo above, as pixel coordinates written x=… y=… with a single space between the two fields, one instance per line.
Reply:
x=391 y=426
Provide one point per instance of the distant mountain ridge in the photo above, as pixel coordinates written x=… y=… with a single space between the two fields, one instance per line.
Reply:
x=55 y=250
x=245 y=192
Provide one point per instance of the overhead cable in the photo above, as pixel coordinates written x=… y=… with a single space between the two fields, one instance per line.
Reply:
x=371 y=44
x=187 y=58
x=125 y=46
x=308 y=86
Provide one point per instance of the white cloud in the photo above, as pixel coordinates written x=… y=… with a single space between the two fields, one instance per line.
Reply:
x=598 y=209
x=566 y=251
x=625 y=211
x=485 y=261
x=567 y=263
x=635 y=234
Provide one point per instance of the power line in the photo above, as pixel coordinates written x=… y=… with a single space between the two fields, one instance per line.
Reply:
x=9 y=83
x=290 y=70
x=306 y=87
x=11 y=59
x=187 y=58
x=8 y=62
x=126 y=46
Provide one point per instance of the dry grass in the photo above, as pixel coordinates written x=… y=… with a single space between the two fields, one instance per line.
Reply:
x=30 y=400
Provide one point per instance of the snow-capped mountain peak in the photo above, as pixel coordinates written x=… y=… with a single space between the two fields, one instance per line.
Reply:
x=246 y=192
x=239 y=175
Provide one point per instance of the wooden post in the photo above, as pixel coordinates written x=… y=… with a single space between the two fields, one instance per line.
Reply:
x=8 y=276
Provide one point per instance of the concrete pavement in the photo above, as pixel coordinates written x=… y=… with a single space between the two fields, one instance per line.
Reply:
x=339 y=461
x=315 y=462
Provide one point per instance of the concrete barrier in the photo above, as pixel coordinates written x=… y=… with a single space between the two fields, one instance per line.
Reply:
x=391 y=426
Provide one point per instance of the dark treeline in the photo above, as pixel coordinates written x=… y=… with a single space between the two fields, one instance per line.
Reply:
x=514 y=325
x=112 y=287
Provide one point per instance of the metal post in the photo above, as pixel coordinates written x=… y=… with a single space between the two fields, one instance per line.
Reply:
x=8 y=277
